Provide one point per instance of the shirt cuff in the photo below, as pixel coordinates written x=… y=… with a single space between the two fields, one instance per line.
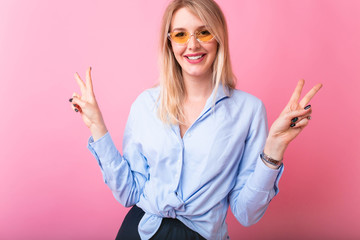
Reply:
x=265 y=178
x=102 y=148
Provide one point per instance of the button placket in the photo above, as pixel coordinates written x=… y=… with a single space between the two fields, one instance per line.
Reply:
x=179 y=161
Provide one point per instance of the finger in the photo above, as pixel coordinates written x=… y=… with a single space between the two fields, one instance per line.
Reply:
x=298 y=114
x=76 y=100
x=74 y=95
x=88 y=79
x=80 y=83
x=75 y=107
x=298 y=119
x=296 y=95
x=306 y=99
x=302 y=123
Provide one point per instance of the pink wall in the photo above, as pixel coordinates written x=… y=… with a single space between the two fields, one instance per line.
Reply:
x=51 y=186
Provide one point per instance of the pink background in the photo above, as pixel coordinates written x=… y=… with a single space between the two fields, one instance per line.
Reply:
x=51 y=186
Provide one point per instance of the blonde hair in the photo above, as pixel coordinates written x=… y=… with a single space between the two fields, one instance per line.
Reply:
x=172 y=88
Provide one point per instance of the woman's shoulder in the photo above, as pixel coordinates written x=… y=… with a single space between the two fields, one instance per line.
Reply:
x=150 y=94
x=246 y=105
x=147 y=98
x=241 y=97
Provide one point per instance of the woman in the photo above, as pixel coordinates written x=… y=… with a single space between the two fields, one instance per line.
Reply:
x=194 y=144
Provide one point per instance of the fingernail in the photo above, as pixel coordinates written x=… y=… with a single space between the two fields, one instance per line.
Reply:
x=74 y=105
x=307 y=107
x=294 y=119
x=309 y=117
x=70 y=100
x=292 y=125
x=76 y=110
x=90 y=68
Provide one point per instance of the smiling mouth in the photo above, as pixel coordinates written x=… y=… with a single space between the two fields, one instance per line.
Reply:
x=195 y=57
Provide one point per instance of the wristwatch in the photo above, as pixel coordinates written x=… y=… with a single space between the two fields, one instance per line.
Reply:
x=269 y=160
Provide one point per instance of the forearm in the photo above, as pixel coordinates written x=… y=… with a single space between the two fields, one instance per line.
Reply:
x=249 y=203
x=98 y=130
x=125 y=184
x=249 y=210
x=274 y=148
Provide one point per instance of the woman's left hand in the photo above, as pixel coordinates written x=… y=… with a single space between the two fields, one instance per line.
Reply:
x=292 y=120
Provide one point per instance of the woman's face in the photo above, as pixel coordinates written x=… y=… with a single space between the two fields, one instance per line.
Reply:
x=195 y=58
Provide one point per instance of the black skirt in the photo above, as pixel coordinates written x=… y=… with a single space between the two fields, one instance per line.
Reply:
x=170 y=228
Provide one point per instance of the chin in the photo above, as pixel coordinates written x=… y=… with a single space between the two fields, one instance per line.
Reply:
x=197 y=73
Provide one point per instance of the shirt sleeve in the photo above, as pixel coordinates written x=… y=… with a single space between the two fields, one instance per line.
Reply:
x=125 y=175
x=256 y=184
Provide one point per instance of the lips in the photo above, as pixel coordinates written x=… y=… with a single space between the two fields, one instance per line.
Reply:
x=195 y=58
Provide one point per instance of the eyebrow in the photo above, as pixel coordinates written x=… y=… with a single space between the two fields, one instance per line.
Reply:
x=184 y=29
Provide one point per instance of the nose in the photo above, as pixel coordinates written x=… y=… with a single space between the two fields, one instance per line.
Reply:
x=193 y=42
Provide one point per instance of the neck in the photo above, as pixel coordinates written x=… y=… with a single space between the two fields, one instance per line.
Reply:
x=198 y=88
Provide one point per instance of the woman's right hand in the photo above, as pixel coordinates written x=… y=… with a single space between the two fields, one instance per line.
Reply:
x=87 y=106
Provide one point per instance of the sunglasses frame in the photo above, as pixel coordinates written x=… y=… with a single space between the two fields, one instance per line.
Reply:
x=193 y=34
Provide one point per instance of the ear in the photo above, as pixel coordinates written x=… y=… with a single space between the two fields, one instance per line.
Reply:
x=169 y=44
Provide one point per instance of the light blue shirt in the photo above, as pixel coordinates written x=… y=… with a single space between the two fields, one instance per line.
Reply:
x=194 y=178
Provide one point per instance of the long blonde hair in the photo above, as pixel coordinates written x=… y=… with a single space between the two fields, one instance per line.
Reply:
x=172 y=88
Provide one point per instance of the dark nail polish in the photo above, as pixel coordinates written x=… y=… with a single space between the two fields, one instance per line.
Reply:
x=292 y=125
x=294 y=119
x=76 y=110
x=70 y=100
x=74 y=105
x=307 y=107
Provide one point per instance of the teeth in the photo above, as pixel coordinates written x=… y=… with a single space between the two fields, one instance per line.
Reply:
x=194 y=57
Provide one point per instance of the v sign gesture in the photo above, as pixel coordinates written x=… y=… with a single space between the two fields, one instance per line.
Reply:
x=292 y=120
x=87 y=106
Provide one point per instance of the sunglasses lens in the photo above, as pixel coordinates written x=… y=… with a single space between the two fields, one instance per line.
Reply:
x=179 y=37
x=204 y=35
x=182 y=37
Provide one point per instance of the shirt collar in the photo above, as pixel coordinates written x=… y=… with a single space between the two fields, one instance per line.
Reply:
x=216 y=96
x=222 y=92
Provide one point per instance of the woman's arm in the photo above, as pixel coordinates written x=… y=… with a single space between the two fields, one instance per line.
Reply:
x=125 y=175
x=255 y=184
x=257 y=180
x=126 y=179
